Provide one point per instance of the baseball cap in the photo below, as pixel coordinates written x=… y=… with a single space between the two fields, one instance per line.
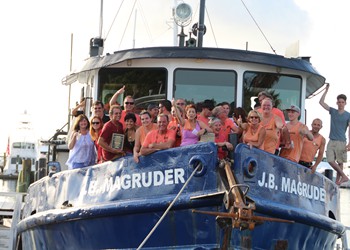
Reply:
x=294 y=108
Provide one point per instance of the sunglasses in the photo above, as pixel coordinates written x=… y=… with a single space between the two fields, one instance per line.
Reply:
x=254 y=117
x=94 y=123
x=131 y=103
x=180 y=103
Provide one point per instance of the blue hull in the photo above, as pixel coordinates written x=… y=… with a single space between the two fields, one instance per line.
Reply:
x=116 y=204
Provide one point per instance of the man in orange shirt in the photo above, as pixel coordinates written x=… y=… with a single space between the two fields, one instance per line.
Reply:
x=264 y=94
x=160 y=139
x=129 y=106
x=297 y=132
x=207 y=106
x=310 y=148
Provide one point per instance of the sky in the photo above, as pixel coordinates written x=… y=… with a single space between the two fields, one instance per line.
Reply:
x=36 y=45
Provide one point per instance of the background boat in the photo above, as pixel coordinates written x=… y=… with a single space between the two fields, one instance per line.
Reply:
x=23 y=147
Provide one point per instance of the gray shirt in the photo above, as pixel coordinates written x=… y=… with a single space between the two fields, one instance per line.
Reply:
x=339 y=124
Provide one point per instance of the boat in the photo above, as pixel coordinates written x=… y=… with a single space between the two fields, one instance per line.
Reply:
x=23 y=148
x=185 y=197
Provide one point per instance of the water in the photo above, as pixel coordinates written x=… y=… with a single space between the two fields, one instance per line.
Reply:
x=8 y=185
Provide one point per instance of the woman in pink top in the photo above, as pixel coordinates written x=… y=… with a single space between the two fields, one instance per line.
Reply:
x=191 y=129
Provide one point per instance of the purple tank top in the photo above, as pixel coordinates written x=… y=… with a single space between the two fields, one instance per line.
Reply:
x=190 y=136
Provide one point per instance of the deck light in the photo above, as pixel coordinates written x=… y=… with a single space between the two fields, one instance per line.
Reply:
x=183 y=14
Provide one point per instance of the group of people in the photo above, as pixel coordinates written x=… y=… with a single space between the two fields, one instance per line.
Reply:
x=176 y=123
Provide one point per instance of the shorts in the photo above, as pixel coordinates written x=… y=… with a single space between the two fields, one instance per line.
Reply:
x=336 y=151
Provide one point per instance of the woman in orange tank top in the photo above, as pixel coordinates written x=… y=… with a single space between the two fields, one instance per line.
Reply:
x=253 y=133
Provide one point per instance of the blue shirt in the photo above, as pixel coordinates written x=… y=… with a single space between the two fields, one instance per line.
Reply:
x=339 y=124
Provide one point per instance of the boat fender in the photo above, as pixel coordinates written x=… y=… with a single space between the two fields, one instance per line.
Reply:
x=194 y=161
x=250 y=166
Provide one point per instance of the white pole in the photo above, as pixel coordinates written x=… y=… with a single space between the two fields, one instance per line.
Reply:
x=175 y=28
x=101 y=18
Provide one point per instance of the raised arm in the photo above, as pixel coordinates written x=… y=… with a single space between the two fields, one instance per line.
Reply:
x=323 y=104
x=76 y=109
x=304 y=130
x=177 y=113
x=115 y=96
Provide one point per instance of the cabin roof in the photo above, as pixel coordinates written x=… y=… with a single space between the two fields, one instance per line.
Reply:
x=314 y=81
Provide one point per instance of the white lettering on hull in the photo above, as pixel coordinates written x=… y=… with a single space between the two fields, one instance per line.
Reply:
x=139 y=180
x=293 y=186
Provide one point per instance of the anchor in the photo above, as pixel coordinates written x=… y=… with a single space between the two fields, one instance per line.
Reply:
x=240 y=207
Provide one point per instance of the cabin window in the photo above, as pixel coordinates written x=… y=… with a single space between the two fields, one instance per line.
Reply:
x=286 y=89
x=196 y=85
x=23 y=145
x=146 y=85
x=15 y=160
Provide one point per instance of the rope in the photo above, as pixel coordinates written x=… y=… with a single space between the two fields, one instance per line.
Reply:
x=114 y=20
x=170 y=206
x=319 y=92
x=256 y=23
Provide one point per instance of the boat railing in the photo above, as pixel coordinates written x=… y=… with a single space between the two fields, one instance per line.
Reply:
x=11 y=204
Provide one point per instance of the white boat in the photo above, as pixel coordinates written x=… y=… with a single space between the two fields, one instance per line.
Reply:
x=22 y=145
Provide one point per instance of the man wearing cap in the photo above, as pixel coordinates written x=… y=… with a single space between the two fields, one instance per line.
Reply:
x=297 y=132
x=310 y=148
x=153 y=110
x=337 y=148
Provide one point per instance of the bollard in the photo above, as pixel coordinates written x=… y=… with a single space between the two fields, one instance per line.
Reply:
x=42 y=169
x=24 y=176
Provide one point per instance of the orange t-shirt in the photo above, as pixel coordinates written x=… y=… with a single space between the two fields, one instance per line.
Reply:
x=249 y=136
x=174 y=125
x=277 y=112
x=310 y=148
x=294 y=153
x=154 y=137
x=272 y=136
x=143 y=132
x=227 y=127
x=203 y=119
x=280 y=114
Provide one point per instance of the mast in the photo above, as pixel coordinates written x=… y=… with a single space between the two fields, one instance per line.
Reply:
x=101 y=19
x=201 y=24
